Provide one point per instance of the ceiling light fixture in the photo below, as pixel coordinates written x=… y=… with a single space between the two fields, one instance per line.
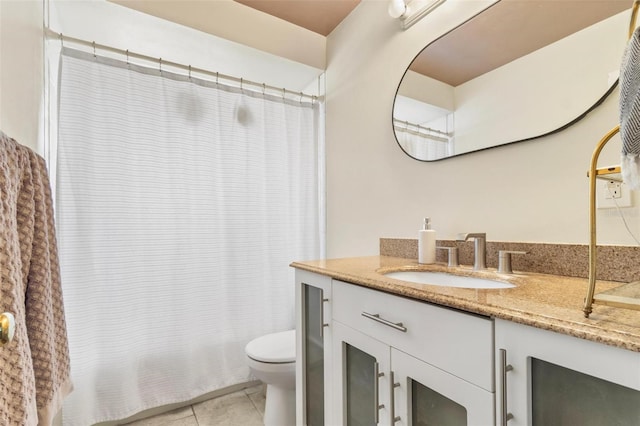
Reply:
x=397 y=8
x=411 y=11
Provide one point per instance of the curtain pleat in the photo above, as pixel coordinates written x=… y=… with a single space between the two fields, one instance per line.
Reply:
x=180 y=205
x=421 y=146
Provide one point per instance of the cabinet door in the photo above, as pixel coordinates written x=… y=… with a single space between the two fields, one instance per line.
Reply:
x=441 y=337
x=313 y=366
x=425 y=395
x=555 y=379
x=361 y=378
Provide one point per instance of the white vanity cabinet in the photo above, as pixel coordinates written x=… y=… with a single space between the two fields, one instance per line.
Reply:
x=547 y=378
x=369 y=357
x=313 y=348
x=398 y=361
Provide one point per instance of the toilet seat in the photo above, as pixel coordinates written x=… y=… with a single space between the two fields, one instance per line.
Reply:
x=275 y=348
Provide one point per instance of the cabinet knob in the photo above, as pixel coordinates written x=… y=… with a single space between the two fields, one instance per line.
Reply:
x=7 y=327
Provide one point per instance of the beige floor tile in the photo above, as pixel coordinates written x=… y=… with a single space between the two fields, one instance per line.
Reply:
x=179 y=417
x=255 y=389
x=230 y=410
x=257 y=395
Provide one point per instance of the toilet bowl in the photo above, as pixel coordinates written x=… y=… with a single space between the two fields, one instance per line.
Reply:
x=272 y=359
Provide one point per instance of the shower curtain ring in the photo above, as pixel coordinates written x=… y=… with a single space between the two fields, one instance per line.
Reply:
x=241 y=83
x=264 y=88
x=61 y=40
x=284 y=93
x=216 y=78
x=189 y=72
x=127 y=56
x=301 y=98
x=160 y=63
x=93 y=43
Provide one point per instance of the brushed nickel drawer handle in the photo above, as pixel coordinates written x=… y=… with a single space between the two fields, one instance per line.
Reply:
x=376 y=391
x=504 y=369
x=377 y=318
x=394 y=385
x=322 y=323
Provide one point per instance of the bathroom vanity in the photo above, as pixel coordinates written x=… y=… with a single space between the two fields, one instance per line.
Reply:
x=372 y=349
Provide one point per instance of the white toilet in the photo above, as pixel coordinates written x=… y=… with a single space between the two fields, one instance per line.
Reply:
x=272 y=359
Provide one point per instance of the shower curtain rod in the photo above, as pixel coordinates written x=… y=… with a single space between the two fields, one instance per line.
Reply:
x=417 y=128
x=241 y=82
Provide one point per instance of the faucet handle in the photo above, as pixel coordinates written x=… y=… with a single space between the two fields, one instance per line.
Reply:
x=504 y=260
x=452 y=255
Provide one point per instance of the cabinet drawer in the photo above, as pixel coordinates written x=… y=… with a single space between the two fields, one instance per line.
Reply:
x=459 y=343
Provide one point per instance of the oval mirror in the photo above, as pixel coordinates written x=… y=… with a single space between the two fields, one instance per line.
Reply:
x=517 y=71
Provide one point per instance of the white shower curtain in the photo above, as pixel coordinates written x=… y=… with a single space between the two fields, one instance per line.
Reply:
x=422 y=146
x=180 y=205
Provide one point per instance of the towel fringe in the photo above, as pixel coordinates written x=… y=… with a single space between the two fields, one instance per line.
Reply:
x=630 y=168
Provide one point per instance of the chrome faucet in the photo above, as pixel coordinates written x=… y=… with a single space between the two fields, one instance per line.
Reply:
x=480 y=249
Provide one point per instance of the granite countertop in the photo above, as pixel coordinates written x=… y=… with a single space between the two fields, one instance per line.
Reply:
x=549 y=302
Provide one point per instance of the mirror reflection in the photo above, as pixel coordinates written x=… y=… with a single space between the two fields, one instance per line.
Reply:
x=516 y=71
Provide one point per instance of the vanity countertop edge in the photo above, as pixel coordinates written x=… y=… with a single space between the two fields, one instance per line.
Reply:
x=549 y=302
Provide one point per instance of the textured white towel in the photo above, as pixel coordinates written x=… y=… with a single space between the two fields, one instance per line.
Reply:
x=34 y=367
x=630 y=112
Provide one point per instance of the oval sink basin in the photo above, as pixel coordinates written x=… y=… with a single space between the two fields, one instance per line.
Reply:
x=446 y=280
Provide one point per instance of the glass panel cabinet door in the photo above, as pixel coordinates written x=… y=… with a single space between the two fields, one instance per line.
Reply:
x=313 y=349
x=360 y=383
x=561 y=396
x=552 y=379
x=361 y=378
x=425 y=395
x=429 y=407
x=314 y=354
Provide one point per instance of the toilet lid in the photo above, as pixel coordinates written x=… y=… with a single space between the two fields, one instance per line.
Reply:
x=274 y=348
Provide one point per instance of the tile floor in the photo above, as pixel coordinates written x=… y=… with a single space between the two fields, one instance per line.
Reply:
x=242 y=408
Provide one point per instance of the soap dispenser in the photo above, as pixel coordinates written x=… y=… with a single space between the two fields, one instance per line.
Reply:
x=427 y=243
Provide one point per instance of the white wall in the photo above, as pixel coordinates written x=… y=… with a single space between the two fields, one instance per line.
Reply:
x=22 y=50
x=428 y=90
x=533 y=191
x=120 y=27
x=21 y=78
x=236 y=22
